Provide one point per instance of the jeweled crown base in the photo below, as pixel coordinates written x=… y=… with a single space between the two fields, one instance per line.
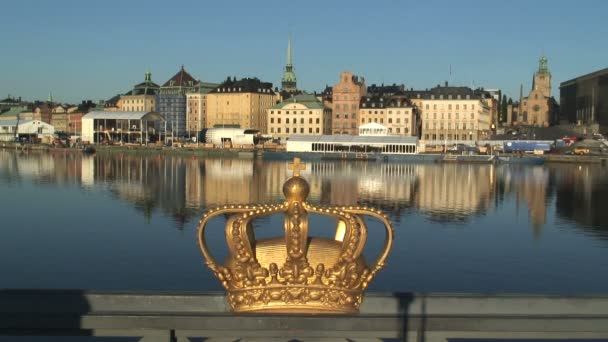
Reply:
x=295 y=298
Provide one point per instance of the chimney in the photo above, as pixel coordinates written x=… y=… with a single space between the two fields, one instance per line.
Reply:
x=446 y=83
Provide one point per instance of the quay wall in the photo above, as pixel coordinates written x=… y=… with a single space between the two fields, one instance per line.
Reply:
x=176 y=317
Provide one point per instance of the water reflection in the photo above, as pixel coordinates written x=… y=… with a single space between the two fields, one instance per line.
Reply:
x=443 y=193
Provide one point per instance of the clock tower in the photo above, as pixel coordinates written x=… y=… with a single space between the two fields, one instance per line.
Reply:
x=542 y=78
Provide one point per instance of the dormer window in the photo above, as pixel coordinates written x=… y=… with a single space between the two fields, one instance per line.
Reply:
x=450 y=96
x=441 y=97
x=432 y=97
x=468 y=97
x=458 y=96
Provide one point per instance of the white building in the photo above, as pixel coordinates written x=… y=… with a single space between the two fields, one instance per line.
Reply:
x=230 y=137
x=127 y=127
x=24 y=129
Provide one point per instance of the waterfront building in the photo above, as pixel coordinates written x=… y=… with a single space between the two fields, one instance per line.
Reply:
x=75 y=123
x=241 y=104
x=196 y=107
x=301 y=114
x=172 y=101
x=230 y=137
x=142 y=98
x=346 y=96
x=14 y=113
x=118 y=127
x=394 y=111
x=60 y=122
x=584 y=100
x=289 y=81
x=451 y=113
x=113 y=104
x=25 y=129
x=539 y=108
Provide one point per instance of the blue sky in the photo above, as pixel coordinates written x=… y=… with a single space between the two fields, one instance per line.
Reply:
x=96 y=49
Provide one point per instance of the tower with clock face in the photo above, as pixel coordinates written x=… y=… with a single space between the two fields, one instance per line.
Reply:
x=542 y=78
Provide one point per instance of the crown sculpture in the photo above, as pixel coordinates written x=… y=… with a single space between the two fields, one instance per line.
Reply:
x=295 y=273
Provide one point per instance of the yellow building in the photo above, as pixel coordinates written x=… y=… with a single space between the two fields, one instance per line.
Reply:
x=302 y=114
x=240 y=104
x=395 y=112
x=196 y=107
x=142 y=98
x=453 y=113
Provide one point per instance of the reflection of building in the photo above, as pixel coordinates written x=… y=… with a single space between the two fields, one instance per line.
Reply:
x=454 y=192
x=582 y=194
x=241 y=104
x=301 y=114
x=346 y=96
x=584 y=99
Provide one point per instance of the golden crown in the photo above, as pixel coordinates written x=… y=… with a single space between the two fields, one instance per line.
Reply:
x=295 y=273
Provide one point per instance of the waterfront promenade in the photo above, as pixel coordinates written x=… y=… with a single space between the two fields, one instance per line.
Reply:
x=251 y=152
x=175 y=317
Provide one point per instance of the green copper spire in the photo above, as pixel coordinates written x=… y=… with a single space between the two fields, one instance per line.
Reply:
x=288 y=82
x=289 y=50
x=543 y=65
x=50 y=98
x=148 y=76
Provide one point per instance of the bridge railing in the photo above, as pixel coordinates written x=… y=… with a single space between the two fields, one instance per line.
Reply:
x=173 y=317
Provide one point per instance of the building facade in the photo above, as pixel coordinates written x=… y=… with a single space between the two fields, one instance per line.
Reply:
x=302 y=115
x=393 y=111
x=539 y=107
x=142 y=98
x=172 y=101
x=346 y=97
x=584 y=100
x=453 y=113
x=196 y=107
x=241 y=104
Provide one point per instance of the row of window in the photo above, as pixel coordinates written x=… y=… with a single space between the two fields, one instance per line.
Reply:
x=449 y=126
x=317 y=120
x=294 y=112
x=337 y=106
x=449 y=137
x=464 y=106
x=295 y=130
x=390 y=120
x=456 y=116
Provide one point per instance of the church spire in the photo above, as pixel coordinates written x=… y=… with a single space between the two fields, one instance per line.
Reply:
x=289 y=50
x=288 y=82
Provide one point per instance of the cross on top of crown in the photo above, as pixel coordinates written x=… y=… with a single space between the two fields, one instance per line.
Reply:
x=296 y=166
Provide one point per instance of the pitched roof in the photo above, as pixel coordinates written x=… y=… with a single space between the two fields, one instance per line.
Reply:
x=123 y=115
x=245 y=85
x=310 y=101
x=181 y=79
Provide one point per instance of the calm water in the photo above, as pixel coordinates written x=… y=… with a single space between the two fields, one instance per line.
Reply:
x=112 y=222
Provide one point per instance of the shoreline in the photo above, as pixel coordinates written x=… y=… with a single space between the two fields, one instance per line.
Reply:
x=259 y=152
